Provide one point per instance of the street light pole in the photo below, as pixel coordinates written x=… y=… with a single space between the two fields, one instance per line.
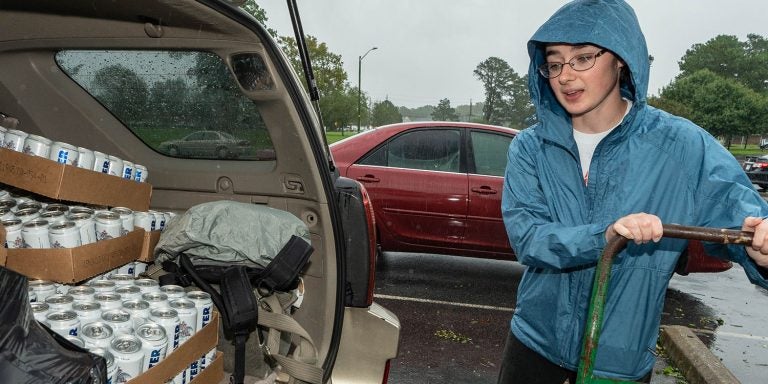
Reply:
x=359 y=89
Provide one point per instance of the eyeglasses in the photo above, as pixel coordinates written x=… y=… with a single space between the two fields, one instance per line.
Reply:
x=578 y=63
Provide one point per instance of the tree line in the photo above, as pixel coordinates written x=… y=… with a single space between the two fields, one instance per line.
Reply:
x=722 y=87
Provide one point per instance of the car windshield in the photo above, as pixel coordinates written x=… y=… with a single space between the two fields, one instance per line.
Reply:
x=171 y=98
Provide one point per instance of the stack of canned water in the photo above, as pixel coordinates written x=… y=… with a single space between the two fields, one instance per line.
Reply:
x=64 y=153
x=133 y=323
x=34 y=224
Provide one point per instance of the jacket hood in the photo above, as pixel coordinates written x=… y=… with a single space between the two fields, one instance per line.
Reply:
x=610 y=24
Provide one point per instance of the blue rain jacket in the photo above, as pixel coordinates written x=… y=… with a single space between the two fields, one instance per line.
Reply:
x=652 y=162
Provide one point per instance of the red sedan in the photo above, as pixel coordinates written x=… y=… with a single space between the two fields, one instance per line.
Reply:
x=436 y=188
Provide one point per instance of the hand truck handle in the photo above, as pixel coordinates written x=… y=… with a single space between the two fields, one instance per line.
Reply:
x=603 y=274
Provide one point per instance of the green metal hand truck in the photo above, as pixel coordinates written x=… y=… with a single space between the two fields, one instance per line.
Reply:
x=585 y=374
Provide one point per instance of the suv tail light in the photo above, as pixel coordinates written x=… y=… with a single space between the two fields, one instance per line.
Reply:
x=372 y=243
x=760 y=165
x=386 y=372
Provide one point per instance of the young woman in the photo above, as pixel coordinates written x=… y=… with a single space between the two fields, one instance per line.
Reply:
x=602 y=163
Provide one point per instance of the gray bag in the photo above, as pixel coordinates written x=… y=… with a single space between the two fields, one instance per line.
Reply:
x=229 y=232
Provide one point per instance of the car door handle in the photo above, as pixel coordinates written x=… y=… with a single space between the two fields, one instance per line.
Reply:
x=484 y=190
x=368 y=179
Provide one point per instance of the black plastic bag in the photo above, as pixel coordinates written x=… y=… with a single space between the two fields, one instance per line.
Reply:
x=29 y=352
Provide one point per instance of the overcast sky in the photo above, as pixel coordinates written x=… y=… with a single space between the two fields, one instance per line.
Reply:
x=427 y=49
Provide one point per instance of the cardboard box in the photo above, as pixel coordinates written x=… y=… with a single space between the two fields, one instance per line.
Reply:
x=72 y=265
x=202 y=342
x=65 y=182
x=148 y=248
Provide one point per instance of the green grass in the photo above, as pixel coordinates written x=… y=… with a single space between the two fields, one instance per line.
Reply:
x=738 y=150
x=334 y=136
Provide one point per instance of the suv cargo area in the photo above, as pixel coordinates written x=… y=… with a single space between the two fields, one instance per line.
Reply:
x=202 y=97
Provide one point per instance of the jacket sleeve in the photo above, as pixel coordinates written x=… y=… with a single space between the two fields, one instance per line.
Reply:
x=537 y=239
x=724 y=197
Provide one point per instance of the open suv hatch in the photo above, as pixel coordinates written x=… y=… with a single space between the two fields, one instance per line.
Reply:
x=201 y=95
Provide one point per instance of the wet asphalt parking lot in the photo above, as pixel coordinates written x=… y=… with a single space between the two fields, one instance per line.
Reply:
x=455 y=314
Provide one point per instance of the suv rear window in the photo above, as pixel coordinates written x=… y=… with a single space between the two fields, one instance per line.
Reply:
x=180 y=103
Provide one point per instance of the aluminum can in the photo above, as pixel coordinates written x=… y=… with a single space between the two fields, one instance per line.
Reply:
x=86 y=226
x=169 y=319
x=26 y=202
x=208 y=358
x=167 y=218
x=35 y=145
x=23 y=200
x=76 y=340
x=139 y=268
x=155 y=299
x=127 y=170
x=154 y=343
x=64 y=322
x=61 y=289
x=43 y=288
x=8 y=202
x=87 y=311
x=125 y=270
x=14 y=140
x=139 y=310
x=13 y=237
x=97 y=334
x=82 y=209
x=140 y=173
x=115 y=166
x=182 y=377
x=85 y=158
x=59 y=303
x=40 y=311
x=6 y=214
x=82 y=293
x=111 y=366
x=53 y=216
x=126 y=218
x=203 y=305
x=128 y=356
x=35 y=234
x=187 y=318
x=147 y=285
x=63 y=153
x=57 y=207
x=108 y=226
x=26 y=214
x=173 y=291
x=32 y=296
x=108 y=300
x=119 y=320
x=159 y=220
x=194 y=369
x=129 y=292
x=63 y=234
x=122 y=279
x=144 y=220
x=100 y=162
x=103 y=285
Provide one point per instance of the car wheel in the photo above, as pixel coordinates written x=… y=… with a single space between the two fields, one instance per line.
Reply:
x=173 y=150
x=222 y=153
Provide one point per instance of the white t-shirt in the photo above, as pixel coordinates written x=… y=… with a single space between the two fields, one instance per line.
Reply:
x=587 y=142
